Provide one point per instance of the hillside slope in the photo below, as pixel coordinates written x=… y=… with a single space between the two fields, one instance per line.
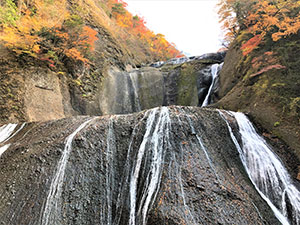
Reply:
x=261 y=70
x=55 y=53
x=270 y=97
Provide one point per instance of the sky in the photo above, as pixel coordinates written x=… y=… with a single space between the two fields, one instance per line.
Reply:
x=191 y=24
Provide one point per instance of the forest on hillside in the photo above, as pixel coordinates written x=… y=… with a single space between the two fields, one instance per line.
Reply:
x=259 y=23
x=53 y=30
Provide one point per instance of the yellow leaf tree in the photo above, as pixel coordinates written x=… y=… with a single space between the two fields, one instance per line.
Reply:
x=262 y=19
x=30 y=29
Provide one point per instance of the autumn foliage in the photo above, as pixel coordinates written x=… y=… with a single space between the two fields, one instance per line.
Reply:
x=251 y=44
x=263 y=63
x=45 y=30
x=55 y=30
x=261 y=19
x=135 y=25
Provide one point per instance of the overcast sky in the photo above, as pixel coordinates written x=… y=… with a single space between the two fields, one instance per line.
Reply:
x=191 y=24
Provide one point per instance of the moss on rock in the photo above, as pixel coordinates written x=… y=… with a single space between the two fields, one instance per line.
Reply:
x=187 y=85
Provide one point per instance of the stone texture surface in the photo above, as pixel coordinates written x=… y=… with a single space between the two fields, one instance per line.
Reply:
x=193 y=187
x=43 y=97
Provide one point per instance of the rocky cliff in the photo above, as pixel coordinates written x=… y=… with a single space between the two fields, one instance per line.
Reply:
x=32 y=93
x=175 y=165
x=167 y=165
x=270 y=97
x=45 y=82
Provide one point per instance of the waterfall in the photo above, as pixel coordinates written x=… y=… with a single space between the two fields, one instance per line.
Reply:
x=110 y=175
x=52 y=209
x=132 y=196
x=266 y=171
x=153 y=142
x=178 y=173
x=119 y=93
x=167 y=165
x=215 y=69
x=123 y=190
x=134 y=78
x=6 y=133
x=125 y=92
x=200 y=142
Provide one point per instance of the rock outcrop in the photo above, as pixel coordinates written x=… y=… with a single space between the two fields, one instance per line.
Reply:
x=39 y=94
x=271 y=99
x=180 y=84
x=175 y=165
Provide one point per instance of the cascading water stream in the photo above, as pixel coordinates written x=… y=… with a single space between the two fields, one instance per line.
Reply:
x=119 y=94
x=6 y=133
x=200 y=142
x=141 y=179
x=266 y=171
x=215 y=69
x=159 y=136
x=178 y=174
x=134 y=80
x=52 y=209
x=135 y=174
x=145 y=168
x=111 y=149
x=157 y=133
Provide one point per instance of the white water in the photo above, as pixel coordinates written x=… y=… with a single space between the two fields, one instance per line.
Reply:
x=122 y=191
x=266 y=172
x=52 y=210
x=173 y=61
x=188 y=214
x=153 y=141
x=215 y=68
x=200 y=142
x=119 y=93
x=176 y=61
x=160 y=133
x=184 y=59
x=110 y=175
x=134 y=80
x=6 y=133
x=3 y=149
x=176 y=167
x=134 y=177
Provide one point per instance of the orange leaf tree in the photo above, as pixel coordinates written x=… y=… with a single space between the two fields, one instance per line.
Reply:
x=45 y=30
x=262 y=19
x=135 y=25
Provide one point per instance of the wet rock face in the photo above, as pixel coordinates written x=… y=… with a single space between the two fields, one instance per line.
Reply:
x=173 y=165
x=204 y=81
x=39 y=94
x=184 y=84
x=126 y=92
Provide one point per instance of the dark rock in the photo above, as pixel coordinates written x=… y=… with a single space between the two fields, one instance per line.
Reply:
x=173 y=183
x=123 y=92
